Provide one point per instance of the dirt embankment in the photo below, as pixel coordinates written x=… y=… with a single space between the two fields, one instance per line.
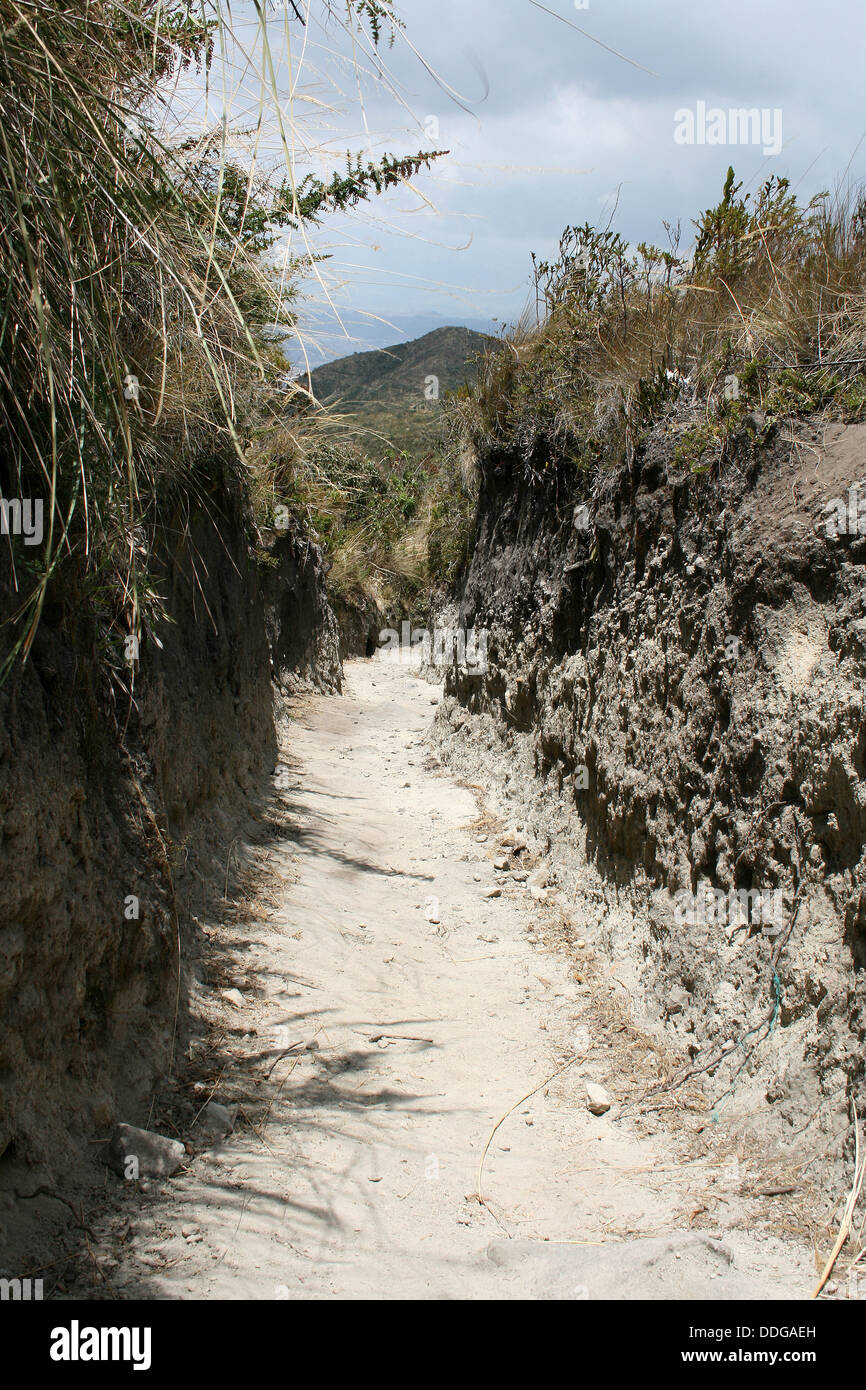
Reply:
x=360 y=620
x=118 y=809
x=674 y=706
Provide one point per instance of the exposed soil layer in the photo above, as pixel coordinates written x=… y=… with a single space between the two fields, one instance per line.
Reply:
x=118 y=802
x=360 y=621
x=302 y=628
x=674 y=705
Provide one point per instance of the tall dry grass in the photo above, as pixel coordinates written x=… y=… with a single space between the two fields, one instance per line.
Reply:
x=771 y=293
x=138 y=357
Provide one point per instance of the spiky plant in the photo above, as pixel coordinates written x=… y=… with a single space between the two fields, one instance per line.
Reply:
x=772 y=293
x=134 y=356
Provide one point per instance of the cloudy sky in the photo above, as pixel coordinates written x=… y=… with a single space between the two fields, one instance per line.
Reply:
x=546 y=127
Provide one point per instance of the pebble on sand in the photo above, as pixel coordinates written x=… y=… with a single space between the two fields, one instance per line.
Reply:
x=598 y=1101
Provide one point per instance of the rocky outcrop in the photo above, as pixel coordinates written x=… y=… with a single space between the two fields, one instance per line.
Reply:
x=302 y=628
x=674 y=706
x=360 y=620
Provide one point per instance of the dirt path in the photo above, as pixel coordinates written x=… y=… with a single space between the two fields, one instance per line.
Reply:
x=354 y=1173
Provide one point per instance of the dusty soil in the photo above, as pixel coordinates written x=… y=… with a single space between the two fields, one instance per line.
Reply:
x=389 y=1068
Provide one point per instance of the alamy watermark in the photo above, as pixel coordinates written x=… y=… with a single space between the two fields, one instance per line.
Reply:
x=846 y=516
x=22 y=516
x=739 y=125
x=21 y=1290
x=445 y=646
x=77 y=1343
x=733 y=911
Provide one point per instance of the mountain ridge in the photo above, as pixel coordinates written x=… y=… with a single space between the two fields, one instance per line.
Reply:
x=399 y=376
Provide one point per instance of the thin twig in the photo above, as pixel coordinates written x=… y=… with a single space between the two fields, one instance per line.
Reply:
x=504 y=1117
x=848 y=1214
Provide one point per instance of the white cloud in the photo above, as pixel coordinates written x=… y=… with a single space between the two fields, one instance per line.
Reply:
x=566 y=129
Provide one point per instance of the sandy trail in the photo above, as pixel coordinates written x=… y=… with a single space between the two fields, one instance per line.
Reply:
x=355 y=1174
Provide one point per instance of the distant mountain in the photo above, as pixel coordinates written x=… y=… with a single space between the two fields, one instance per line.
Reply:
x=394 y=393
x=325 y=343
x=399 y=375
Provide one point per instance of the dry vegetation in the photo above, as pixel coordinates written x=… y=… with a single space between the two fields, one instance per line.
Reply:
x=764 y=318
x=772 y=294
x=140 y=377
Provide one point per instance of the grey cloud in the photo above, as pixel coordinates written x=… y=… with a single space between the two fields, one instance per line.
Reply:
x=802 y=58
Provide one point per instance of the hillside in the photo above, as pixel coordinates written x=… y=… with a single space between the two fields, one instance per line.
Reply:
x=325 y=340
x=390 y=392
